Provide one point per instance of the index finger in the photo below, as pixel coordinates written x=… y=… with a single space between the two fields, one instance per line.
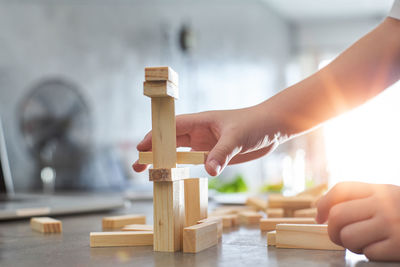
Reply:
x=341 y=192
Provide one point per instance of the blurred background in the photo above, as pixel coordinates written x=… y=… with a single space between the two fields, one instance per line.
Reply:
x=71 y=74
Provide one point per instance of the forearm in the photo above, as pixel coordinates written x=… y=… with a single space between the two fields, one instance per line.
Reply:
x=358 y=74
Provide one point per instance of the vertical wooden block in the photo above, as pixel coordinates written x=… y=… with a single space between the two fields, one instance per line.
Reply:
x=117 y=222
x=307 y=236
x=121 y=239
x=199 y=237
x=46 y=225
x=271 y=238
x=163 y=132
x=169 y=215
x=196 y=200
x=269 y=224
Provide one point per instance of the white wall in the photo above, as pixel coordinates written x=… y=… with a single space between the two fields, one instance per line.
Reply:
x=103 y=46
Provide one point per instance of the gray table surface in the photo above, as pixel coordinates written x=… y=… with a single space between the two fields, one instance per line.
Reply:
x=20 y=246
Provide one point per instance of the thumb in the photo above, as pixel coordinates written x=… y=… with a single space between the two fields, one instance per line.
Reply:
x=220 y=155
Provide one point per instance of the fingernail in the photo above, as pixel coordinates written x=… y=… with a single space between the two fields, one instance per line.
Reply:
x=215 y=165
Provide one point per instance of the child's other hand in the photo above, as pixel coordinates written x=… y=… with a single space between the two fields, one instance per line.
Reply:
x=364 y=218
x=231 y=136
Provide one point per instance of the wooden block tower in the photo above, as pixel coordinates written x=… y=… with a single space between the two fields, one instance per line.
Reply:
x=161 y=85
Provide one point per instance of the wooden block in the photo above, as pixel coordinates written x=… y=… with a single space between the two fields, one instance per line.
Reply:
x=161 y=74
x=163 y=132
x=121 y=239
x=257 y=203
x=294 y=202
x=307 y=236
x=196 y=200
x=138 y=227
x=219 y=224
x=249 y=217
x=117 y=222
x=199 y=237
x=269 y=224
x=46 y=225
x=182 y=157
x=168 y=174
x=271 y=238
x=315 y=191
x=160 y=89
x=306 y=213
x=230 y=220
x=275 y=213
x=225 y=210
x=169 y=215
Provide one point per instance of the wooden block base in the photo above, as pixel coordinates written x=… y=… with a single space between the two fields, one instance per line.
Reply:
x=121 y=239
x=200 y=237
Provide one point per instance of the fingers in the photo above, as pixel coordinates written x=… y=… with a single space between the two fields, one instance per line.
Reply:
x=145 y=144
x=220 y=155
x=357 y=236
x=385 y=250
x=139 y=167
x=240 y=158
x=347 y=213
x=339 y=193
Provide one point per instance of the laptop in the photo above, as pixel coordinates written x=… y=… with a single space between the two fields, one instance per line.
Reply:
x=18 y=206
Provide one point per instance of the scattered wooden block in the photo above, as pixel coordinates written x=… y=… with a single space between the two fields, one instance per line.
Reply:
x=169 y=215
x=138 y=227
x=306 y=213
x=182 y=157
x=199 y=237
x=294 y=202
x=315 y=191
x=121 y=239
x=275 y=213
x=269 y=224
x=168 y=174
x=225 y=210
x=161 y=74
x=249 y=217
x=160 y=89
x=258 y=203
x=216 y=220
x=229 y=220
x=46 y=225
x=196 y=200
x=117 y=222
x=307 y=236
x=271 y=238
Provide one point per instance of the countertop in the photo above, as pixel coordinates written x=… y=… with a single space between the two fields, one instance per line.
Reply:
x=21 y=246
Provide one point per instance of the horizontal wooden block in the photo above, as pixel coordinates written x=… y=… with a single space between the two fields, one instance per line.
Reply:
x=182 y=157
x=275 y=213
x=249 y=217
x=216 y=220
x=117 y=222
x=121 y=239
x=200 y=237
x=306 y=236
x=258 y=203
x=269 y=224
x=294 y=202
x=306 y=213
x=161 y=74
x=46 y=225
x=229 y=220
x=160 y=89
x=315 y=191
x=168 y=175
x=138 y=227
x=271 y=238
x=231 y=209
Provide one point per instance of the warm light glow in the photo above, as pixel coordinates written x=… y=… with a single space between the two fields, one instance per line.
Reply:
x=364 y=144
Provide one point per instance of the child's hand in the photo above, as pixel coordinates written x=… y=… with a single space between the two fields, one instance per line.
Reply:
x=231 y=136
x=364 y=218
